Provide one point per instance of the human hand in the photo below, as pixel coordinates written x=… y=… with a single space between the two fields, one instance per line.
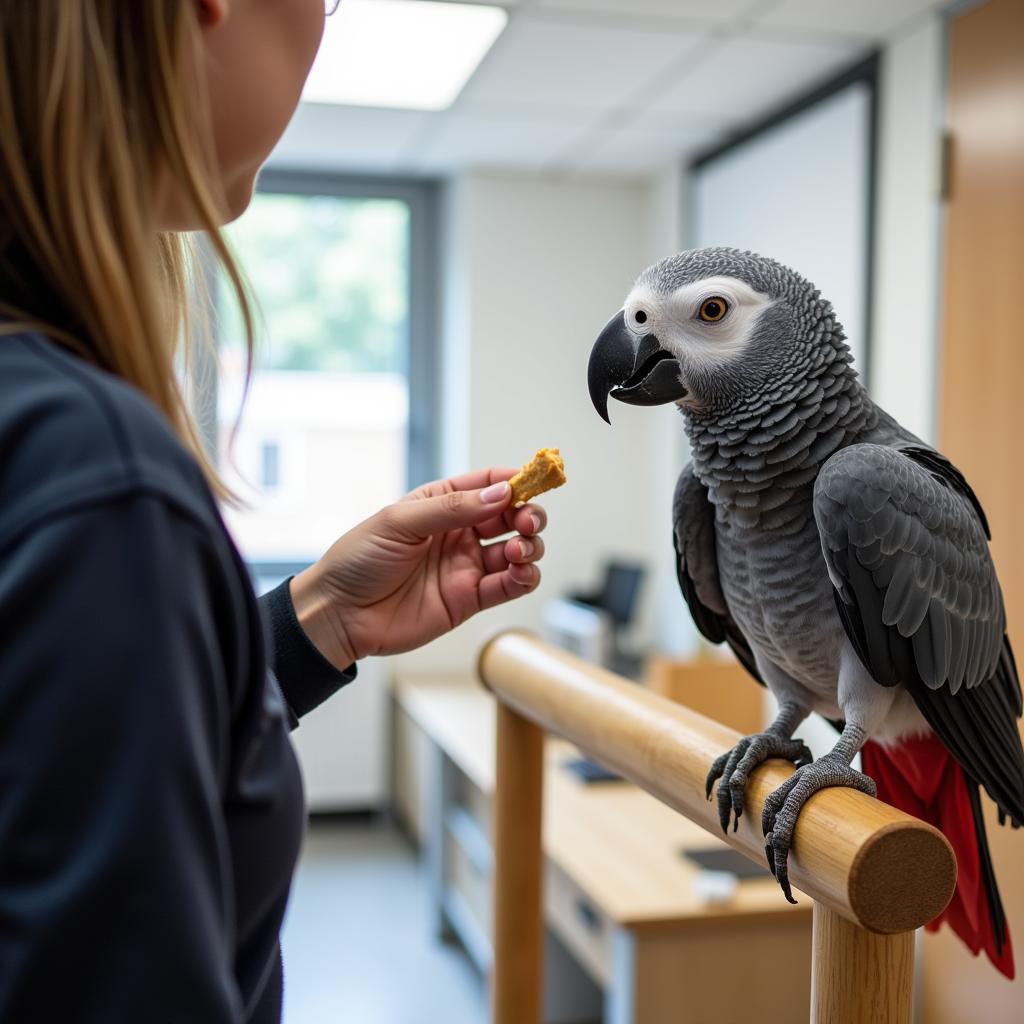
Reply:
x=420 y=567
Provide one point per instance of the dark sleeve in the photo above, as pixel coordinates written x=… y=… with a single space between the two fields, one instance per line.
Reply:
x=305 y=676
x=116 y=889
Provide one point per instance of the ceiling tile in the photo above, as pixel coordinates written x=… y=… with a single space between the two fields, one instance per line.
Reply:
x=540 y=61
x=633 y=151
x=469 y=140
x=746 y=77
x=688 y=10
x=874 y=18
x=654 y=121
x=325 y=137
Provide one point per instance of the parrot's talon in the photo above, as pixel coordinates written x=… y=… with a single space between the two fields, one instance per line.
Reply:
x=786 y=889
x=779 y=868
x=715 y=773
x=783 y=806
x=732 y=769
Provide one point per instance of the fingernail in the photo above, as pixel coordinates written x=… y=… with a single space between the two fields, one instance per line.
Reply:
x=496 y=492
x=524 y=575
x=525 y=548
x=535 y=519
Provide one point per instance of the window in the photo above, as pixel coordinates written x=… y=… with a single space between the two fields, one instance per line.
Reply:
x=271 y=474
x=325 y=435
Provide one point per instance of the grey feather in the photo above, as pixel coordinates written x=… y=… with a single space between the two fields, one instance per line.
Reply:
x=693 y=517
x=942 y=552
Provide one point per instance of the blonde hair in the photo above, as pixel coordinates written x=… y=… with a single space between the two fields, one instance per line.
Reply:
x=100 y=109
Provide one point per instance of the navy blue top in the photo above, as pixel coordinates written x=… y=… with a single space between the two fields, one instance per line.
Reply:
x=151 y=808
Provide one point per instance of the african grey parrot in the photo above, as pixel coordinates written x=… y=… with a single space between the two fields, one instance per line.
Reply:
x=843 y=560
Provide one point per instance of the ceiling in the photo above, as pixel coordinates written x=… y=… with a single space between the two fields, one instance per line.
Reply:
x=619 y=87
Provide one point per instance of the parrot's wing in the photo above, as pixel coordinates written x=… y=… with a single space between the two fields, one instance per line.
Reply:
x=693 y=537
x=905 y=542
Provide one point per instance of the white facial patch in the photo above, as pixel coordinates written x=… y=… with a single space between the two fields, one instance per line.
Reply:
x=676 y=322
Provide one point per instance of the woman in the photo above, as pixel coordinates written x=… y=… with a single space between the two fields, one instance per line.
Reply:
x=150 y=805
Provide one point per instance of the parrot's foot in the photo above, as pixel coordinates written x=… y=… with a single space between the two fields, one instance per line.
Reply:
x=734 y=768
x=783 y=807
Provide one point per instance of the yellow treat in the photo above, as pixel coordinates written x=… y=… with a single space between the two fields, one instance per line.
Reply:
x=544 y=472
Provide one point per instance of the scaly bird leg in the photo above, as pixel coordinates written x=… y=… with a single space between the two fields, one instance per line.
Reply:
x=782 y=808
x=735 y=766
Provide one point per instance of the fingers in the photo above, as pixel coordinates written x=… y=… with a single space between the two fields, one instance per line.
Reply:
x=491 y=528
x=528 y=521
x=517 y=551
x=420 y=516
x=491 y=475
x=510 y=570
x=524 y=576
x=524 y=550
x=472 y=481
x=501 y=587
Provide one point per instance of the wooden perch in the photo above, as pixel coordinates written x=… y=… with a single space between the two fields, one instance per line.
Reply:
x=881 y=870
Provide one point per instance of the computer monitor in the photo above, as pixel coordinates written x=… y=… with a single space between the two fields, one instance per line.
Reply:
x=621 y=587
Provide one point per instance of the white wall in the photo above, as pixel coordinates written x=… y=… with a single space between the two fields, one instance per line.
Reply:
x=908 y=241
x=536 y=267
x=343 y=745
x=800 y=193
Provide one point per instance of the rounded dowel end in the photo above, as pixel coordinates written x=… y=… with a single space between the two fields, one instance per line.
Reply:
x=902 y=877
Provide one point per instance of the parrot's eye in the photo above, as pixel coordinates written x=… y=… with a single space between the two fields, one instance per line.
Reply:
x=640 y=316
x=712 y=310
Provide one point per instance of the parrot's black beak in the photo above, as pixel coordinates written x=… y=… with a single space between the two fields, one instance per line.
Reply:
x=635 y=373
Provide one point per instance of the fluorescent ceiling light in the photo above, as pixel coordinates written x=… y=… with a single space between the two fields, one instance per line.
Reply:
x=415 y=54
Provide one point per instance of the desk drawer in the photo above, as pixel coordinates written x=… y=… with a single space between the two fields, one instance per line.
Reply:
x=475 y=803
x=579 y=924
x=471 y=880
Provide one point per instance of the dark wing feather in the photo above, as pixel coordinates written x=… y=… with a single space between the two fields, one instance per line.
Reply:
x=988 y=872
x=905 y=542
x=945 y=472
x=693 y=538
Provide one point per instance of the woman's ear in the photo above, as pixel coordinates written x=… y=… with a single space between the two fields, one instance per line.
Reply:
x=211 y=12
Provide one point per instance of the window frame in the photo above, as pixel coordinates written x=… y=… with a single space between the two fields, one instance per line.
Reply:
x=421 y=195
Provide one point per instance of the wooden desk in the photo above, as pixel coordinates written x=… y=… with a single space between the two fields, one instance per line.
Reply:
x=618 y=893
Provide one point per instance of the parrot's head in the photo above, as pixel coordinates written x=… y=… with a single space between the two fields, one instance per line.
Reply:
x=711 y=329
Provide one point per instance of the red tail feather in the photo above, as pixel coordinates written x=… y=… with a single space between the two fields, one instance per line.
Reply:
x=919 y=775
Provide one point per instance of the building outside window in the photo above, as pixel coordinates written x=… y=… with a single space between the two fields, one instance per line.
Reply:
x=271 y=470
x=345 y=342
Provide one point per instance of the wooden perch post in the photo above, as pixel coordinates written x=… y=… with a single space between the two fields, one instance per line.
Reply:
x=875 y=873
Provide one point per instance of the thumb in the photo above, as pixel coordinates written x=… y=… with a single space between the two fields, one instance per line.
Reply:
x=423 y=517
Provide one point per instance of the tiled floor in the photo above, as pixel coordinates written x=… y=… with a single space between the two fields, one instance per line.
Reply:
x=358 y=941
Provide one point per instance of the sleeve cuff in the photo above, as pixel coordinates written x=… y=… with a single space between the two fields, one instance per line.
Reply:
x=305 y=676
